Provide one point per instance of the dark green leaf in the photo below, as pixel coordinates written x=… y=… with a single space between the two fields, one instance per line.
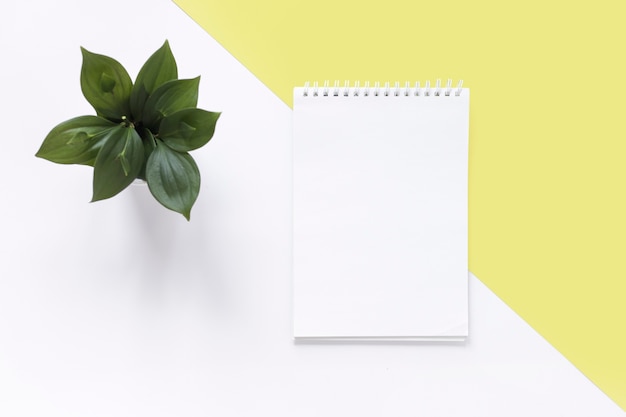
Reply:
x=75 y=141
x=158 y=69
x=173 y=178
x=118 y=162
x=188 y=129
x=106 y=85
x=170 y=97
x=149 y=144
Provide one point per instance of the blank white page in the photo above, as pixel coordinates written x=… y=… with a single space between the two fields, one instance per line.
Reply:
x=380 y=215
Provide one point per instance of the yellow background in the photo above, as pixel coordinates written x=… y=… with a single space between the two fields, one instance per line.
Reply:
x=547 y=141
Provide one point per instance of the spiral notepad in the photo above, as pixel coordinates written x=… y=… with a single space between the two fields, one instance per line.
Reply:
x=380 y=211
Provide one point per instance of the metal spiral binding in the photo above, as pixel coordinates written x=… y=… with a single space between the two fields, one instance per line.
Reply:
x=386 y=90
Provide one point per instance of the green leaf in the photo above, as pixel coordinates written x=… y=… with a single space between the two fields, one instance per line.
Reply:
x=118 y=162
x=158 y=69
x=173 y=178
x=106 y=85
x=149 y=144
x=188 y=129
x=75 y=141
x=169 y=98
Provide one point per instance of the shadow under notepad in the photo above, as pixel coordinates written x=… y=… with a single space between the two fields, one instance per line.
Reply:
x=379 y=341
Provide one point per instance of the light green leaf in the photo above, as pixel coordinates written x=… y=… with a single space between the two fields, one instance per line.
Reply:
x=188 y=129
x=170 y=97
x=106 y=85
x=173 y=178
x=75 y=141
x=118 y=162
x=158 y=69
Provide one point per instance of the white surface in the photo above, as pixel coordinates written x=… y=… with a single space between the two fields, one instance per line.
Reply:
x=121 y=308
x=380 y=215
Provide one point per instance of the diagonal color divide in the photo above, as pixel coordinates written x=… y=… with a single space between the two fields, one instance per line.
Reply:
x=548 y=138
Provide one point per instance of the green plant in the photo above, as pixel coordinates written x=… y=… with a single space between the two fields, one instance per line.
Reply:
x=141 y=130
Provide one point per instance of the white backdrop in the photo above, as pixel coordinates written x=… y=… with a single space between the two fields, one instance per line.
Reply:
x=122 y=308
